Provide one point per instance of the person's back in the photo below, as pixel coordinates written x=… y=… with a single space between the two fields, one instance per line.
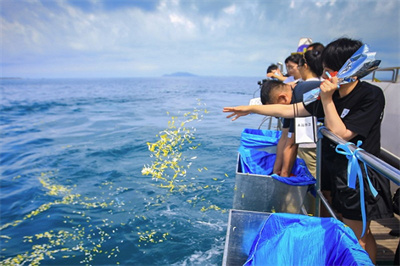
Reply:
x=303 y=87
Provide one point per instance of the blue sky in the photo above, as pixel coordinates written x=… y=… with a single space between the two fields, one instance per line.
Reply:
x=149 y=38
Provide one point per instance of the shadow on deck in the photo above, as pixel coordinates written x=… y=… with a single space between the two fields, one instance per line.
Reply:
x=386 y=243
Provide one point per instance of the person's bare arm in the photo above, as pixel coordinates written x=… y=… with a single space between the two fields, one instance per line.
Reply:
x=289 y=155
x=279 y=152
x=333 y=122
x=277 y=76
x=276 y=110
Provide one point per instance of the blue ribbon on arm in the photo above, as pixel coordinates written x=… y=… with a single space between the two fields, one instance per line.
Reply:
x=354 y=171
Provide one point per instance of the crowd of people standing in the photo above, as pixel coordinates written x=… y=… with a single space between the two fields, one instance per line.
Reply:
x=353 y=111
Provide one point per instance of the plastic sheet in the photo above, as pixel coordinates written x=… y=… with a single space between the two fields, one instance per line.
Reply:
x=360 y=64
x=293 y=239
x=255 y=160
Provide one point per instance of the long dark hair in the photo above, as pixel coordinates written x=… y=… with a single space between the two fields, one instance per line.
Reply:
x=313 y=58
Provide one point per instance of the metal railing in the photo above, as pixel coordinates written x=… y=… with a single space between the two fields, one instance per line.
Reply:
x=387 y=170
x=274 y=123
x=394 y=70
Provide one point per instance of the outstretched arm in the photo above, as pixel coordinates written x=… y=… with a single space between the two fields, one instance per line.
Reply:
x=276 y=110
x=277 y=76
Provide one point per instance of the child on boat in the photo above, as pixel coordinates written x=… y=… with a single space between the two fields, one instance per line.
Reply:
x=353 y=112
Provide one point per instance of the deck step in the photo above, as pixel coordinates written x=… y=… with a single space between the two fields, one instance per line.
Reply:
x=386 y=243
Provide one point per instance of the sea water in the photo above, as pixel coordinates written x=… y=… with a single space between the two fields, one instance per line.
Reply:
x=136 y=171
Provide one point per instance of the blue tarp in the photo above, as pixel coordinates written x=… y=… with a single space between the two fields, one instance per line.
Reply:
x=294 y=239
x=256 y=161
x=257 y=138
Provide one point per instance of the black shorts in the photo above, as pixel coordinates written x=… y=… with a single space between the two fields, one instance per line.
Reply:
x=327 y=164
x=347 y=200
x=326 y=176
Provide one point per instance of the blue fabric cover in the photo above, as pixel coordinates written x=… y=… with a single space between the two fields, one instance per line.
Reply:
x=255 y=161
x=295 y=239
x=257 y=138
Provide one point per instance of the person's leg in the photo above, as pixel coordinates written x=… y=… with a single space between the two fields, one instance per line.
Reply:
x=324 y=212
x=309 y=155
x=367 y=242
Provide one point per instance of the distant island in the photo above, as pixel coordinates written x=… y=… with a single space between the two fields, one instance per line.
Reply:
x=180 y=74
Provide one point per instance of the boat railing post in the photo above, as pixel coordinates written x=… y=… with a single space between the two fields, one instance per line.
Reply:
x=318 y=177
x=326 y=204
x=319 y=197
x=394 y=70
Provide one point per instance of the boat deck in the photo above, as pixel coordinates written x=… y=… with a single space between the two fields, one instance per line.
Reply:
x=386 y=243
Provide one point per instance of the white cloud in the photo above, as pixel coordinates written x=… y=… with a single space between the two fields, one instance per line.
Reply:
x=230 y=10
x=178 y=20
x=231 y=37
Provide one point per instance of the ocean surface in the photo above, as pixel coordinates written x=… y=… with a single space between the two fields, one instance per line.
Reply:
x=136 y=171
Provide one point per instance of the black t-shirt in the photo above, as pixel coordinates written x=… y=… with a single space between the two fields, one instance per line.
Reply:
x=361 y=111
x=297 y=97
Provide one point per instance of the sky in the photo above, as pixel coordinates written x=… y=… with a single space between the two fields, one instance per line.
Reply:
x=150 y=38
